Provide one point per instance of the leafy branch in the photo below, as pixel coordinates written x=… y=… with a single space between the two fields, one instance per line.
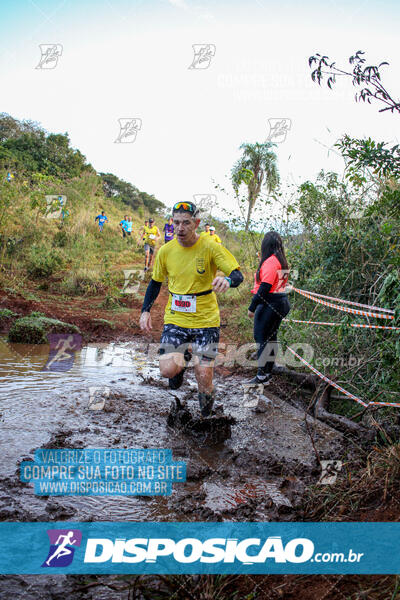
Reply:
x=360 y=75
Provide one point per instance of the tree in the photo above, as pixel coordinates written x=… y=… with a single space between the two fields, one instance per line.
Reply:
x=256 y=167
x=27 y=147
x=361 y=75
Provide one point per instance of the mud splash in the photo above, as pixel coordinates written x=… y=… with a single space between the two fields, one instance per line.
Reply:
x=252 y=465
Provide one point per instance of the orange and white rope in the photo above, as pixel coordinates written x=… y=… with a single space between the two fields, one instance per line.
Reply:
x=347 y=324
x=339 y=387
x=347 y=301
x=343 y=308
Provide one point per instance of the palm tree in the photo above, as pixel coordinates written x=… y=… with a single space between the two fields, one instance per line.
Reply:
x=256 y=167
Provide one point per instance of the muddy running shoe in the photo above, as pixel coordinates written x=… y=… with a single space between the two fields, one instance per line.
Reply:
x=206 y=402
x=176 y=381
x=259 y=378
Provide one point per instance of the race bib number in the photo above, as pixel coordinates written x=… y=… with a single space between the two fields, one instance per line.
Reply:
x=152 y=236
x=184 y=303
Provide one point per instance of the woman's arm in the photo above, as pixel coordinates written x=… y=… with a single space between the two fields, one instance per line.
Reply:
x=260 y=297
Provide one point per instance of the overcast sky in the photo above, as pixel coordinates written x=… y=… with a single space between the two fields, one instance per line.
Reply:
x=125 y=59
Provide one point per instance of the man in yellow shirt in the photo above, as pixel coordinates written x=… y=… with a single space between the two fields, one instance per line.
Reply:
x=150 y=235
x=191 y=315
x=214 y=236
x=206 y=229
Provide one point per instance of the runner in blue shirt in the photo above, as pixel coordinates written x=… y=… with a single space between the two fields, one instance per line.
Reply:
x=102 y=219
x=129 y=225
x=168 y=231
x=123 y=225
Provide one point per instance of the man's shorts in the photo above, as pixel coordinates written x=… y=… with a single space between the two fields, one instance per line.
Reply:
x=148 y=248
x=204 y=341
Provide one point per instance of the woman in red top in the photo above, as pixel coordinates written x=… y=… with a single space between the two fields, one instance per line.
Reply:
x=270 y=303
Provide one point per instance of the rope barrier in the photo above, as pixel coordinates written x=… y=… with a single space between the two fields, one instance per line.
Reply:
x=348 y=302
x=343 y=308
x=338 y=387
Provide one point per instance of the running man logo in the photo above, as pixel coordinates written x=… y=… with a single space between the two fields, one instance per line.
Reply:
x=205 y=204
x=203 y=54
x=200 y=263
x=283 y=275
x=278 y=129
x=62 y=351
x=98 y=397
x=128 y=129
x=55 y=206
x=330 y=470
x=63 y=543
x=50 y=53
x=252 y=392
x=129 y=286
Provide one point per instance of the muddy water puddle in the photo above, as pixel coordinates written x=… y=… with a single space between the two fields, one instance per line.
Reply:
x=113 y=397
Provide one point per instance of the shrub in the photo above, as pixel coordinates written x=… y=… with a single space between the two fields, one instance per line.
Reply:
x=42 y=262
x=33 y=329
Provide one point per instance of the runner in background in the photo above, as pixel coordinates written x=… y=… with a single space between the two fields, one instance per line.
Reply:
x=122 y=224
x=206 y=229
x=102 y=219
x=270 y=303
x=142 y=234
x=168 y=231
x=129 y=227
x=214 y=236
x=152 y=234
x=191 y=315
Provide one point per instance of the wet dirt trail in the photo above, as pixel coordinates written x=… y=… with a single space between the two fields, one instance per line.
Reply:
x=260 y=473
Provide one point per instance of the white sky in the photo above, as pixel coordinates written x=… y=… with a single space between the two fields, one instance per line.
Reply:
x=131 y=59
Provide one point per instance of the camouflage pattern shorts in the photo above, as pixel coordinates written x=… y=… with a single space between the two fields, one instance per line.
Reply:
x=204 y=341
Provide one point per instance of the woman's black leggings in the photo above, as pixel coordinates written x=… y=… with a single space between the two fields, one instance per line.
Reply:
x=267 y=318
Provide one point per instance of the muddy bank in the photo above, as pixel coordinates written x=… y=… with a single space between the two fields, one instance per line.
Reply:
x=260 y=473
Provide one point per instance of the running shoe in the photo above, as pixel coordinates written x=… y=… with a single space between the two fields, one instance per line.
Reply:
x=176 y=381
x=206 y=402
x=265 y=379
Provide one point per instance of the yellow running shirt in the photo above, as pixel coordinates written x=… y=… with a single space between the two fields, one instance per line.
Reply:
x=215 y=238
x=189 y=271
x=150 y=231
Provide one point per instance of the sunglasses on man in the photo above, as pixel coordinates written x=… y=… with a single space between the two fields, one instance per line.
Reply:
x=186 y=206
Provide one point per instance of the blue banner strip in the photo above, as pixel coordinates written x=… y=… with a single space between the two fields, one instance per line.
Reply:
x=199 y=548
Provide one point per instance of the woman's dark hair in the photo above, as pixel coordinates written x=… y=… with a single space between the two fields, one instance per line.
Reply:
x=272 y=244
